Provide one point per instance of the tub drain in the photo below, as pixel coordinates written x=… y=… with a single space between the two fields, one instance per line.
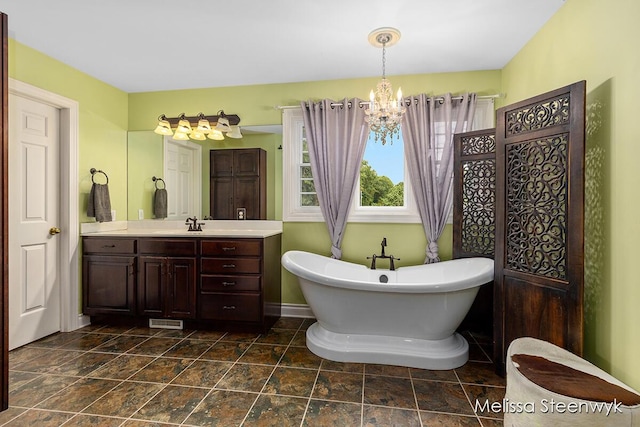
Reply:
x=383 y=278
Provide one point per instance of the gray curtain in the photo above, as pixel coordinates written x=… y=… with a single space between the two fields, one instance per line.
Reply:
x=432 y=184
x=337 y=136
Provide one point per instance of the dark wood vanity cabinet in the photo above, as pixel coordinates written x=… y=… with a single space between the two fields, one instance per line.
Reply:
x=238 y=181
x=167 y=278
x=239 y=281
x=220 y=283
x=108 y=276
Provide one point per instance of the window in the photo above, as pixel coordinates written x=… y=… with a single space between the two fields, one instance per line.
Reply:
x=300 y=201
x=384 y=192
x=308 y=195
x=382 y=174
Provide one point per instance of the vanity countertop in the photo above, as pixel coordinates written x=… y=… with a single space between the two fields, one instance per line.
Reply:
x=152 y=228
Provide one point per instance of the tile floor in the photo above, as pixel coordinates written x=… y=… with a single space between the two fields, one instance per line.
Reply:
x=135 y=377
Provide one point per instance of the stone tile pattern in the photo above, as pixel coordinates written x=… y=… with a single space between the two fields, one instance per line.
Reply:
x=122 y=376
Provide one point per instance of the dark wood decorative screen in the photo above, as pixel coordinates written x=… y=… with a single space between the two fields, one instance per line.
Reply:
x=474 y=222
x=474 y=210
x=539 y=275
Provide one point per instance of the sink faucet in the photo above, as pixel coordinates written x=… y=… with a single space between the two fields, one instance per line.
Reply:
x=382 y=255
x=193 y=223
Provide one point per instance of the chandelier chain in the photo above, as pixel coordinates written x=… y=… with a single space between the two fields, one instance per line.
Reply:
x=384 y=60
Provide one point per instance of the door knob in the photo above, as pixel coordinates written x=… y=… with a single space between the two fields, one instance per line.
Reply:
x=54 y=230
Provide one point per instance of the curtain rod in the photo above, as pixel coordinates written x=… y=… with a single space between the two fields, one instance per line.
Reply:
x=439 y=98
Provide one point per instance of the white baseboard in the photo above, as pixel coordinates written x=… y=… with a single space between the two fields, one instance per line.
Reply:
x=83 y=321
x=297 y=310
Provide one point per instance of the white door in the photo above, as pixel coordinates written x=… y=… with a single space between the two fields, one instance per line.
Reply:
x=34 y=288
x=182 y=176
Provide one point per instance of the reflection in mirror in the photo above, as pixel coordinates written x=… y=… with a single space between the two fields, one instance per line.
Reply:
x=182 y=172
x=145 y=159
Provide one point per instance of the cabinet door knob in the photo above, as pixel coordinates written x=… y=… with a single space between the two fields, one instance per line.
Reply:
x=228 y=307
x=228 y=283
x=228 y=266
x=233 y=248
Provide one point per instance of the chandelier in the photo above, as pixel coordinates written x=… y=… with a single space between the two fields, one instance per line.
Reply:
x=385 y=112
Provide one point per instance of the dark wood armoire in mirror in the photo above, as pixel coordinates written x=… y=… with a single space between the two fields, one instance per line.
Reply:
x=238 y=183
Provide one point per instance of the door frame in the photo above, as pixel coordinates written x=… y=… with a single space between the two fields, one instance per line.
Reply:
x=196 y=176
x=68 y=263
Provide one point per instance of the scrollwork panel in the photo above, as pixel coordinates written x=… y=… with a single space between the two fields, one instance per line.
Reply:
x=536 y=206
x=479 y=144
x=478 y=206
x=553 y=112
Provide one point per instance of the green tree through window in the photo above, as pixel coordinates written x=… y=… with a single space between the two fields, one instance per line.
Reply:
x=376 y=188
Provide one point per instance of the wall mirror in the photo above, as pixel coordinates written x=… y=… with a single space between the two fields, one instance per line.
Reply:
x=145 y=159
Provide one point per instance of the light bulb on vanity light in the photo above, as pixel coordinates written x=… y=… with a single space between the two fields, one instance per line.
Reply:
x=215 y=135
x=164 y=127
x=234 y=132
x=180 y=136
x=183 y=125
x=203 y=124
x=197 y=135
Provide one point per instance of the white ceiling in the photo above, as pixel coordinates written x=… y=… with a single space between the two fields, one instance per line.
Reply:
x=149 y=45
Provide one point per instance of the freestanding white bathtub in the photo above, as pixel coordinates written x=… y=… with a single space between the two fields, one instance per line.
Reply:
x=405 y=317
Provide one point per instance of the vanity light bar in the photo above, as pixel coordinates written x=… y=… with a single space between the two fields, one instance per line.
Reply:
x=200 y=127
x=234 y=119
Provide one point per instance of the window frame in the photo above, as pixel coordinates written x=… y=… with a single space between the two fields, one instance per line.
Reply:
x=292 y=211
x=293 y=132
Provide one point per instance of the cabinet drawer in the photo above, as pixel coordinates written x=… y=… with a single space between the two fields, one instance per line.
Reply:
x=230 y=265
x=108 y=246
x=231 y=247
x=168 y=247
x=244 y=307
x=236 y=283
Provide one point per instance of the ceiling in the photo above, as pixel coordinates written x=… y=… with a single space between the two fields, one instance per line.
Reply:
x=151 y=45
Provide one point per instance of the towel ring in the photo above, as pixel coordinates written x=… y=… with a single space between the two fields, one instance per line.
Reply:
x=164 y=184
x=94 y=171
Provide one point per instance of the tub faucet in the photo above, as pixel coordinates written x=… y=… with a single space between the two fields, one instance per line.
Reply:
x=193 y=223
x=382 y=255
x=373 y=261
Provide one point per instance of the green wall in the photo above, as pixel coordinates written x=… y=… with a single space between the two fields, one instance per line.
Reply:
x=144 y=161
x=597 y=41
x=256 y=104
x=103 y=120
